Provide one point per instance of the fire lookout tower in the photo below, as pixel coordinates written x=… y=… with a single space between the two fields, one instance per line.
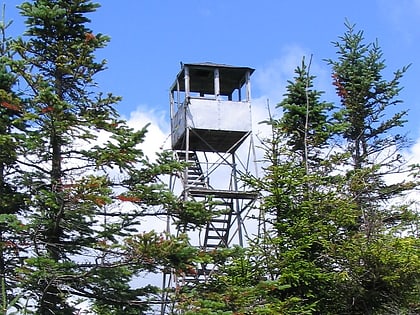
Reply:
x=210 y=106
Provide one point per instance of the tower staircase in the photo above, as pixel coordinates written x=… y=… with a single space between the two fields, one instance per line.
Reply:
x=194 y=176
x=216 y=232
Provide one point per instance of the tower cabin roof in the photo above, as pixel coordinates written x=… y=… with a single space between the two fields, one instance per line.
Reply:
x=202 y=77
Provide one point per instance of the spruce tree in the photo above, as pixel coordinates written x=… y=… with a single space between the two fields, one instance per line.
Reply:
x=297 y=198
x=342 y=236
x=85 y=198
x=12 y=231
x=306 y=121
x=382 y=237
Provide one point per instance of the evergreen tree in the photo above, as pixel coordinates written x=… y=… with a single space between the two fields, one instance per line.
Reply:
x=12 y=239
x=298 y=199
x=382 y=237
x=342 y=234
x=305 y=121
x=85 y=244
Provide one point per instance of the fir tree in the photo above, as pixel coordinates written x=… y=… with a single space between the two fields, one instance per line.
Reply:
x=305 y=121
x=373 y=144
x=85 y=245
x=12 y=231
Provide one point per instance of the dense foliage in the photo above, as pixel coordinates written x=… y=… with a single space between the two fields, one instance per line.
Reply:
x=340 y=231
x=72 y=205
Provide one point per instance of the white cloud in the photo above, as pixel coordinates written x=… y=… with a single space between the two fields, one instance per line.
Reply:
x=413 y=153
x=270 y=80
x=157 y=136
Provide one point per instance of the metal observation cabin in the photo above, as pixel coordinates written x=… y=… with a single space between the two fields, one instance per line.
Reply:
x=210 y=108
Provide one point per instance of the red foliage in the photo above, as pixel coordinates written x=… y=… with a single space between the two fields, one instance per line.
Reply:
x=89 y=37
x=128 y=198
x=10 y=244
x=191 y=271
x=341 y=90
x=99 y=201
x=10 y=106
x=47 y=109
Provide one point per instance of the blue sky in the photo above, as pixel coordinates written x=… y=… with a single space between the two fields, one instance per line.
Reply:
x=150 y=38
